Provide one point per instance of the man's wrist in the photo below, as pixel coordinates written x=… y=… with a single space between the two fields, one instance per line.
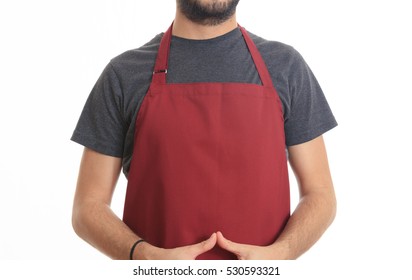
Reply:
x=134 y=247
x=281 y=251
x=144 y=251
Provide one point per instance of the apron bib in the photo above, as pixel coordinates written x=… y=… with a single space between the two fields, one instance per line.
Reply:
x=208 y=157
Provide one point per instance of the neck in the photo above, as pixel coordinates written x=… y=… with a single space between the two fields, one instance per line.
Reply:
x=185 y=28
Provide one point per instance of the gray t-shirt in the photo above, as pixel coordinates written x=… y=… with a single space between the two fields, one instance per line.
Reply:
x=106 y=124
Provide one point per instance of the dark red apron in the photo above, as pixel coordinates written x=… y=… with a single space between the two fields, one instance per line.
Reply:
x=208 y=157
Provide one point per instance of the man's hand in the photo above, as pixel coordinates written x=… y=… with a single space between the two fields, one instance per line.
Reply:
x=190 y=252
x=249 y=252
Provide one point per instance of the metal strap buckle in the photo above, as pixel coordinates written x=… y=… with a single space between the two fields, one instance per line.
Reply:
x=160 y=71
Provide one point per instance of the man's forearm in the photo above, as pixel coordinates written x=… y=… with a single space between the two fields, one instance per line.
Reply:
x=313 y=215
x=97 y=224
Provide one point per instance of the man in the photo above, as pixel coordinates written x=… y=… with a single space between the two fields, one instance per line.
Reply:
x=199 y=119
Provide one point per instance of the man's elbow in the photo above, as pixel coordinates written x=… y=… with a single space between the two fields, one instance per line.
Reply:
x=76 y=224
x=332 y=203
x=324 y=200
x=79 y=219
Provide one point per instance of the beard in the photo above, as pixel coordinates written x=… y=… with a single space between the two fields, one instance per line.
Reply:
x=212 y=13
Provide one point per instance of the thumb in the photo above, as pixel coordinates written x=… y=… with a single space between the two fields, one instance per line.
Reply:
x=228 y=245
x=204 y=246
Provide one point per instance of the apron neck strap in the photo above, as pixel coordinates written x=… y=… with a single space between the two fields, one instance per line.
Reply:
x=257 y=59
x=161 y=65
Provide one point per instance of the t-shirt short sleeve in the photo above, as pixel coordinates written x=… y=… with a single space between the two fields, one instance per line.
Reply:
x=101 y=126
x=306 y=110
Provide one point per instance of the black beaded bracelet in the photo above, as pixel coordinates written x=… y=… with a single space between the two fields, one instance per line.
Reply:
x=134 y=246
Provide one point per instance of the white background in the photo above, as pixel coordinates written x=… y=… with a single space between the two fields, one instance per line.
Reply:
x=52 y=52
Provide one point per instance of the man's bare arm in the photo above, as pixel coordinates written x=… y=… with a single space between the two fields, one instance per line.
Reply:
x=313 y=215
x=92 y=219
x=95 y=222
x=317 y=206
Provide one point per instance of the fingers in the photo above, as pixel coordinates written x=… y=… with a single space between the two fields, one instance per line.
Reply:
x=204 y=246
x=191 y=252
x=228 y=245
